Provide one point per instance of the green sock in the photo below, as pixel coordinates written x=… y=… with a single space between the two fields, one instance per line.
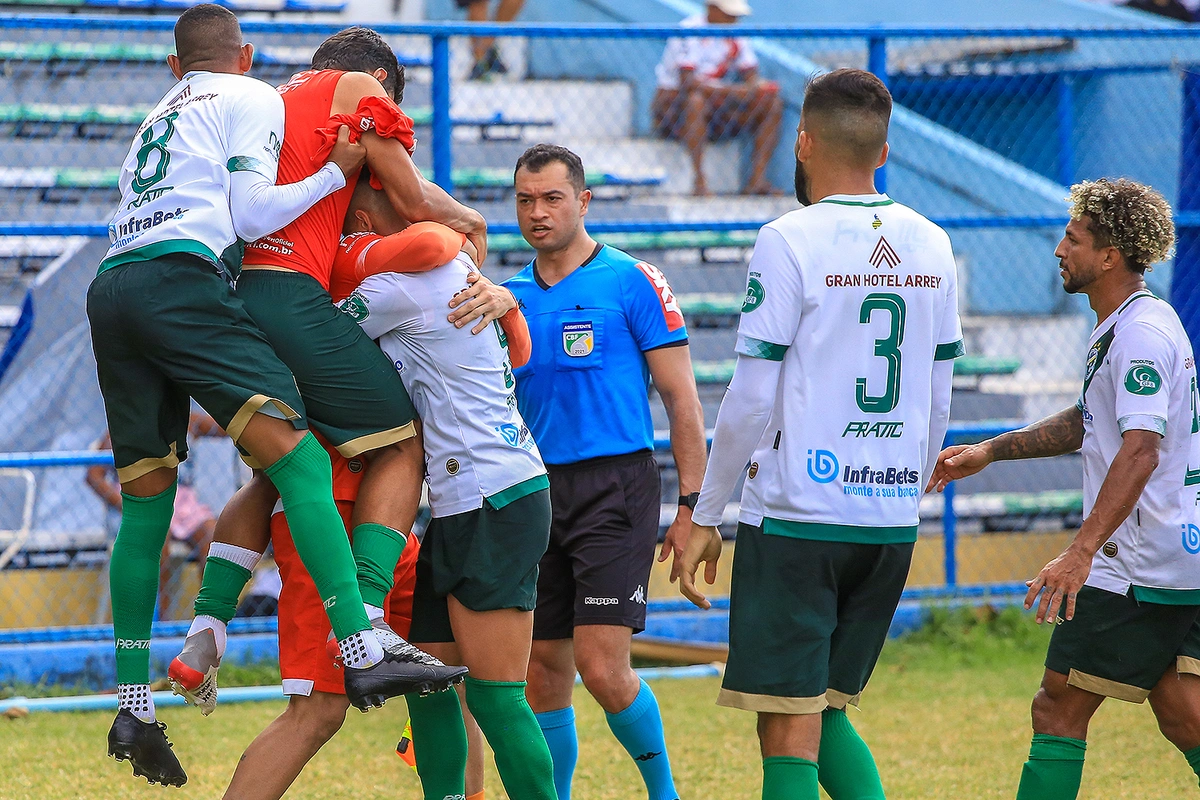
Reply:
x=304 y=479
x=789 y=778
x=222 y=586
x=1054 y=768
x=376 y=549
x=1193 y=759
x=133 y=579
x=440 y=744
x=522 y=756
x=845 y=765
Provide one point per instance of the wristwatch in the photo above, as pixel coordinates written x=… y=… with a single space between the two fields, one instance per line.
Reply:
x=689 y=500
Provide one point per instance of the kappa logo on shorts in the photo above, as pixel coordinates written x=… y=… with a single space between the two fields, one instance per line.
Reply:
x=601 y=601
x=639 y=595
x=578 y=339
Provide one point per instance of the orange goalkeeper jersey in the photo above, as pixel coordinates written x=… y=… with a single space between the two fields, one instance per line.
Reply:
x=309 y=243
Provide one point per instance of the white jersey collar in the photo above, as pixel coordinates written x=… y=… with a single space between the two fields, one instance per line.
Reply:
x=866 y=200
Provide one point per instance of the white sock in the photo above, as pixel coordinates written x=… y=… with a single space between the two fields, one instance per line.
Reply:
x=361 y=650
x=234 y=554
x=137 y=698
x=373 y=612
x=205 y=622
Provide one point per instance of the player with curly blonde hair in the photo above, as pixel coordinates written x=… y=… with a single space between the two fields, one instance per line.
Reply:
x=1129 y=583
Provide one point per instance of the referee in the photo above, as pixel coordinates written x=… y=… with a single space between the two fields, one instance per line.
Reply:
x=602 y=325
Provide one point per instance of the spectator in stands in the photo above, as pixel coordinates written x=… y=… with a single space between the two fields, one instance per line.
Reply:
x=1183 y=10
x=485 y=49
x=709 y=89
x=192 y=524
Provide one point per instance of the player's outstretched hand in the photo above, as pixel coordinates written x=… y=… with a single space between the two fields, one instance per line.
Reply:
x=348 y=157
x=703 y=546
x=958 y=462
x=482 y=300
x=1059 y=580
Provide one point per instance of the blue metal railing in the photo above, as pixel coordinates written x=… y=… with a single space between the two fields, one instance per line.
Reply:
x=955 y=435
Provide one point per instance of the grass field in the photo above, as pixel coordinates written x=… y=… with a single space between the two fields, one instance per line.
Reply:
x=946 y=715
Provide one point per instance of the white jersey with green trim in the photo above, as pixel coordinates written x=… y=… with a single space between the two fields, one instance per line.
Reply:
x=175 y=180
x=1141 y=375
x=476 y=443
x=857 y=296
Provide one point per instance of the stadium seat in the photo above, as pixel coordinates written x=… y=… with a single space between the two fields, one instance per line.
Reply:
x=62 y=185
x=101 y=121
x=274 y=6
x=53 y=54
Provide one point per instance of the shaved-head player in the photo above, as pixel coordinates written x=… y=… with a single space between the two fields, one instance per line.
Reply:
x=167 y=328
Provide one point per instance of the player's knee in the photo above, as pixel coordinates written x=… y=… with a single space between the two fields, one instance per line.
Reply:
x=1178 y=727
x=319 y=716
x=606 y=679
x=1042 y=711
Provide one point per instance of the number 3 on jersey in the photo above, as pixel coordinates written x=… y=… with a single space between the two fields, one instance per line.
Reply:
x=887 y=348
x=154 y=146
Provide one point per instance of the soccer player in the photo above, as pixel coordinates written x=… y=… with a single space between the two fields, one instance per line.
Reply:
x=350 y=389
x=839 y=402
x=1129 y=583
x=166 y=327
x=602 y=323
x=317 y=701
x=490 y=499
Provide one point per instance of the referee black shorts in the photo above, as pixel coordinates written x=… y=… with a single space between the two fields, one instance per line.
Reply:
x=603 y=532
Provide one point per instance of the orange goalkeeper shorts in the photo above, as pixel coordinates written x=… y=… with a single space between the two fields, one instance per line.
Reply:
x=303 y=624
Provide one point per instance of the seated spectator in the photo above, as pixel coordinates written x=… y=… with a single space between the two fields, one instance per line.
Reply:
x=1182 y=10
x=487 y=54
x=192 y=524
x=709 y=90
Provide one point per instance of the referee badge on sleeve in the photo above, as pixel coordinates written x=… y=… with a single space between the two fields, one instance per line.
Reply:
x=578 y=339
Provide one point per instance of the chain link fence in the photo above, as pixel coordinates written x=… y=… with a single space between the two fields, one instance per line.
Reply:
x=989 y=130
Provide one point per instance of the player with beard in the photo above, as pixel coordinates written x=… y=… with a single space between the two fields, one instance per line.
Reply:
x=848 y=334
x=1128 y=586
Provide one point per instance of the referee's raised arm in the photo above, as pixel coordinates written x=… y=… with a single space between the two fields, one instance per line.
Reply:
x=602 y=324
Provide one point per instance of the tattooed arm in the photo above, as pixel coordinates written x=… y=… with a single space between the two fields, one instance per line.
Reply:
x=1054 y=436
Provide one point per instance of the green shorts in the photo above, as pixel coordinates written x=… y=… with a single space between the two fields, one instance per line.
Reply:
x=807 y=620
x=487 y=558
x=168 y=330
x=353 y=395
x=1119 y=647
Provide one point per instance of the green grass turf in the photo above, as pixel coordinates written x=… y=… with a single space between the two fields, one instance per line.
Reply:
x=946 y=715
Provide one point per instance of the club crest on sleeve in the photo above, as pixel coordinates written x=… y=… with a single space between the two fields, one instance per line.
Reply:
x=578 y=339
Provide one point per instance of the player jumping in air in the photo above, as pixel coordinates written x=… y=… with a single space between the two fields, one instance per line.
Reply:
x=839 y=402
x=350 y=389
x=1128 y=585
x=166 y=327
x=490 y=499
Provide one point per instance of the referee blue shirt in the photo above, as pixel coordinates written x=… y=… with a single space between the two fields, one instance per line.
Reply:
x=584 y=392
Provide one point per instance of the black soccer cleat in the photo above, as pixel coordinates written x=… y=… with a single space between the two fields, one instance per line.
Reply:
x=420 y=673
x=145 y=746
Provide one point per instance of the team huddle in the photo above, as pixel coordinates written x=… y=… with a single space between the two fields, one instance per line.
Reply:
x=278 y=259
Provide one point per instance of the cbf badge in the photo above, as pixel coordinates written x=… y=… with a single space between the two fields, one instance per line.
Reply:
x=578 y=339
